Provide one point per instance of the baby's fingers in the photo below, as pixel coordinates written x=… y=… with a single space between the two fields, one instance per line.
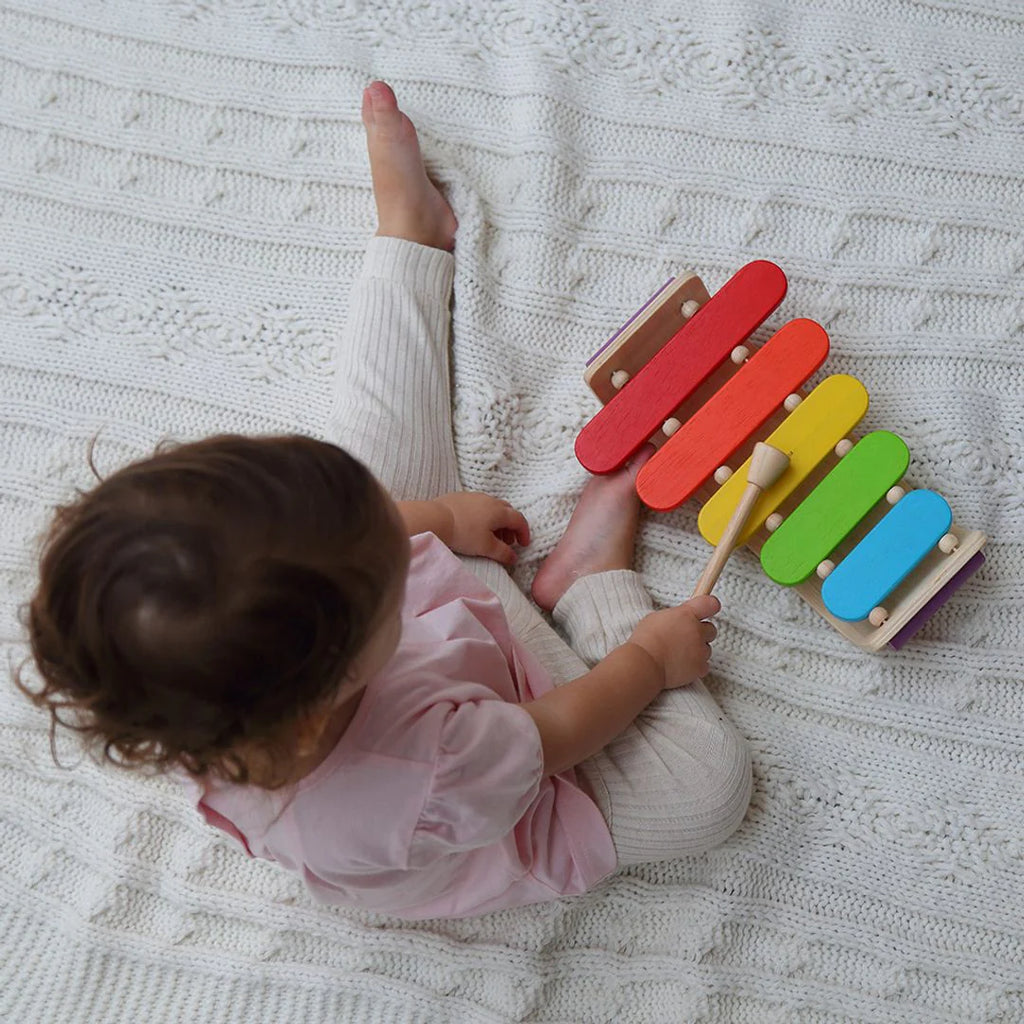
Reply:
x=511 y=525
x=703 y=659
x=498 y=547
x=704 y=606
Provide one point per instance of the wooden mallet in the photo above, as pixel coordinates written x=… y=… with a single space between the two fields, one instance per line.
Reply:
x=767 y=464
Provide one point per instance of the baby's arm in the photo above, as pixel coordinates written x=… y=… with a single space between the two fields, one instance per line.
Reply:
x=469 y=522
x=667 y=649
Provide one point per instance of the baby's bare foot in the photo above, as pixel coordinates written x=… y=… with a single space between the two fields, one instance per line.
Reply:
x=600 y=535
x=408 y=203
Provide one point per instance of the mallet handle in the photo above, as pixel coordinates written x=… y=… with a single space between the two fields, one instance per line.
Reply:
x=767 y=464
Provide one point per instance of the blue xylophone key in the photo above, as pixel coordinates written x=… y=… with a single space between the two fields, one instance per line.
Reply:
x=877 y=565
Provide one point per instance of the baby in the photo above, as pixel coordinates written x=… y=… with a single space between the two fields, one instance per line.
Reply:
x=298 y=640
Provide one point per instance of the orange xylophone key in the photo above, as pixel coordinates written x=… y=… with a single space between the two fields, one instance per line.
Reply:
x=732 y=414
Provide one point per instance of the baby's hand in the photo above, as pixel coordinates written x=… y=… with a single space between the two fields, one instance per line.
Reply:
x=679 y=639
x=484 y=525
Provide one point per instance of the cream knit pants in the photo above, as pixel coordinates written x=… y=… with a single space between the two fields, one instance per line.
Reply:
x=677 y=781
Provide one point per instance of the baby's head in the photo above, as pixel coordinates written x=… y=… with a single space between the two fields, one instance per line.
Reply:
x=212 y=599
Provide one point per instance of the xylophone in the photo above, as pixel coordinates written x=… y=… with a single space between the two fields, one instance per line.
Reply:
x=875 y=557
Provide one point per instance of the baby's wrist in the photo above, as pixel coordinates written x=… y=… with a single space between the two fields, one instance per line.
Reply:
x=446 y=521
x=655 y=668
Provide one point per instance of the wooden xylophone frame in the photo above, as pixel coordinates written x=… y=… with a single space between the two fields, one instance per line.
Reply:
x=666 y=317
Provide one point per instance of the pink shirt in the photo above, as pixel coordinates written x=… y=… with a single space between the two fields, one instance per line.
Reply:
x=434 y=802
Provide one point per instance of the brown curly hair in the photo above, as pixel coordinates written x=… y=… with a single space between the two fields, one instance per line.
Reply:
x=207 y=598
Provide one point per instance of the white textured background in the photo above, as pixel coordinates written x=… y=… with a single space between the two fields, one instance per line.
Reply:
x=183 y=203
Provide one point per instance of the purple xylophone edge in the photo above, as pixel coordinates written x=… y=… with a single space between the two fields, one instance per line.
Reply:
x=630 y=320
x=970 y=567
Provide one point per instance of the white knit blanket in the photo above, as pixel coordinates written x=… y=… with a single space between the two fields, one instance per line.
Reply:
x=184 y=199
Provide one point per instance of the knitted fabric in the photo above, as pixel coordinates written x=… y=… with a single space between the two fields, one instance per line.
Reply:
x=185 y=200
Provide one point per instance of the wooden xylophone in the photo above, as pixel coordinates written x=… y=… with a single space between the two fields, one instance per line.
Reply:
x=874 y=557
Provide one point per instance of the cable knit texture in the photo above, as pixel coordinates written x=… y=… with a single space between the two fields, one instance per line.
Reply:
x=184 y=201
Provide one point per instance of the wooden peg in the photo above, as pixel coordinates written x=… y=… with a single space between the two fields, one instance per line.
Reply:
x=767 y=464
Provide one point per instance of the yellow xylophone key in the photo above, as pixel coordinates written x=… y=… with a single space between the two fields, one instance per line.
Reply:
x=807 y=435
